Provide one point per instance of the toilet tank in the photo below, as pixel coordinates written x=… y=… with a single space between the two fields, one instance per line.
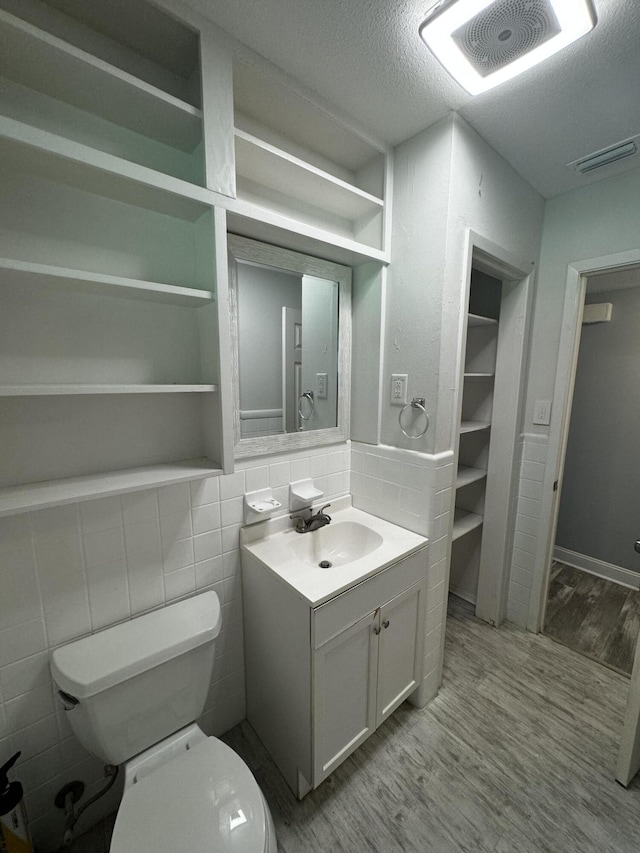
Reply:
x=132 y=685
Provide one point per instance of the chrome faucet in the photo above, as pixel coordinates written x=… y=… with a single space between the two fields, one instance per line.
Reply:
x=312 y=521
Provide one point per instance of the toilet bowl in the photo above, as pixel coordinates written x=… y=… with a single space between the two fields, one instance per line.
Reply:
x=131 y=694
x=203 y=799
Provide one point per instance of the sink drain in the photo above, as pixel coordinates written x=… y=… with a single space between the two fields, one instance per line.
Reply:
x=324 y=564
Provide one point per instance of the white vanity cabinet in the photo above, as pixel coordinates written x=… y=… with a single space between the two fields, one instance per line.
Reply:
x=362 y=674
x=321 y=679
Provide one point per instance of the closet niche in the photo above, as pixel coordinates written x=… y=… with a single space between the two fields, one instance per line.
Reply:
x=473 y=479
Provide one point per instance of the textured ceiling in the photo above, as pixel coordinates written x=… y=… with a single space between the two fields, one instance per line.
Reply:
x=365 y=56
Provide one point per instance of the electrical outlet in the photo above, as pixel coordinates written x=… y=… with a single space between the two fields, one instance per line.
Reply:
x=399 y=382
x=321 y=385
x=542 y=412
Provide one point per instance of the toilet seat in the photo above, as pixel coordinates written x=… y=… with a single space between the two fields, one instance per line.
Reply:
x=203 y=800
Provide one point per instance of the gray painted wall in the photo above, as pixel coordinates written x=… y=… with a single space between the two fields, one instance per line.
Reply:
x=446 y=180
x=600 y=499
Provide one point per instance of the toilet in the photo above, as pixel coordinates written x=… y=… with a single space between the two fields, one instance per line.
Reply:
x=132 y=694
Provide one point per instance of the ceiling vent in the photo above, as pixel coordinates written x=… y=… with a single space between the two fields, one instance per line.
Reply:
x=605 y=156
x=485 y=42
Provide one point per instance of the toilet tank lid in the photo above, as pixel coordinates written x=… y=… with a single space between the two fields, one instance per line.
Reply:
x=92 y=664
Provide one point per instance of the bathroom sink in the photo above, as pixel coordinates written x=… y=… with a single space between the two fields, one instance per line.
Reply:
x=356 y=544
x=336 y=544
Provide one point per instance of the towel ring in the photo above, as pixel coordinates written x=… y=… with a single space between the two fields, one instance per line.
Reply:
x=308 y=395
x=416 y=403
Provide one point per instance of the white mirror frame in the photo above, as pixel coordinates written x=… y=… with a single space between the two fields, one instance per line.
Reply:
x=244 y=249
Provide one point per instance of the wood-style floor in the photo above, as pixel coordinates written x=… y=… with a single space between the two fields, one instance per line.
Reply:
x=593 y=616
x=515 y=755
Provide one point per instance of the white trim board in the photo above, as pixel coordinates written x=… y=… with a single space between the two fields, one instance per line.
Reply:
x=459 y=592
x=608 y=571
x=575 y=289
x=516 y=275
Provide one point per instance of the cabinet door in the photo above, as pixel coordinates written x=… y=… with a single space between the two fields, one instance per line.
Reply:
x=400 y=649
x=344 y=688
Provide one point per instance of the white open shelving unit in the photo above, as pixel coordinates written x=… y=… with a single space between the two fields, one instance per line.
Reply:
x=130 y=144
x=74 y=390
x=71 y=489
x=83 y=281
x=300 y=167
x=64 y=161
x=75 y=76
x=110 y=249
x=474 y=439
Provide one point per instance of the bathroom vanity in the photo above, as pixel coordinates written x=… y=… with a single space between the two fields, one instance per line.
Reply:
x=330 y=652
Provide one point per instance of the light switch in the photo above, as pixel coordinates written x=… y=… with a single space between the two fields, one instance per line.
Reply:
x=321 y=385
x=542 y=412
x=399 y=382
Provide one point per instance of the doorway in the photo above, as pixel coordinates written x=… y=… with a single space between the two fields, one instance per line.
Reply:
x=592 y=603
x=492 y=348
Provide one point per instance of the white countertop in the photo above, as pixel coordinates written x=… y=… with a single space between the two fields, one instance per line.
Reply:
x=270 y=543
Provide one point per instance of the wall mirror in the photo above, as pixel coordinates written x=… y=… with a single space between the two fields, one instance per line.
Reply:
x=291 y=348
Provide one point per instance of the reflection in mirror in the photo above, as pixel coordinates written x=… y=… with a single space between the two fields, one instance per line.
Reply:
x=290 y=316
x=287 y=351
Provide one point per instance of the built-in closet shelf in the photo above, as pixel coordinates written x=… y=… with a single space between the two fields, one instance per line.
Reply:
x=277 y=170
x=35 y=58
x=466 y=476
x=479 y=320
x=472 y=376
x=464 y=522
x=64 y=161
x=259 y=223
x=473 y=426
x=82 y=281
x=74 y=390
x=16 y=499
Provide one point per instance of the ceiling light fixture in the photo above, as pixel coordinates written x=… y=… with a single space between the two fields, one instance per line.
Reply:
x=483 y=43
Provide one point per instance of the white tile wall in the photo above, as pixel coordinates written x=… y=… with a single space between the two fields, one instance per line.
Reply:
x=68 y=571
x=71 y=570
x=413 y=490
x=523 y=562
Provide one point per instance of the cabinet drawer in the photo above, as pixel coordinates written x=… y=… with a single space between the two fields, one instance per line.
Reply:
x=345 y=609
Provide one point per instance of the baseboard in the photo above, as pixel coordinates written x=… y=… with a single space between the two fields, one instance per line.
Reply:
x=624 y=577
x=463 y=594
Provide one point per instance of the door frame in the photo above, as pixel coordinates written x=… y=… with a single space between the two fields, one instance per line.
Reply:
x=571 y=330
x=516 y=275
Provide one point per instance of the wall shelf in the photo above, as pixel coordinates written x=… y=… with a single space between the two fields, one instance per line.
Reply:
x=480 y=320
x=476 y=429
x=45 y=275
x=473 y=426
x=65 y=161
x=73 y=390
x=270 y=167
x=16 y=499
x=91 y=84
x=300 y=166
x=464 y=522
x=258 y=223
x=467 y=475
